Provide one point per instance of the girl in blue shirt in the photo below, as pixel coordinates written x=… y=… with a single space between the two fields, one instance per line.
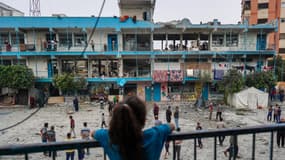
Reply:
x=125 y=140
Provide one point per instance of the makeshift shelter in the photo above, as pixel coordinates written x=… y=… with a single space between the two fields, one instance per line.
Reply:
x=250 y=98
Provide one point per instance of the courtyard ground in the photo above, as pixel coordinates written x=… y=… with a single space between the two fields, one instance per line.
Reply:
x=58 y=115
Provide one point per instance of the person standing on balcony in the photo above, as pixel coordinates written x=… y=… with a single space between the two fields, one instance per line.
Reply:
x=44 y=136
x=92 y=45
x=199 y=127
x=155 y=110
x=126 y=138
x=70 y=152
x=176 y=117
x=168 y=114
x=72 y=126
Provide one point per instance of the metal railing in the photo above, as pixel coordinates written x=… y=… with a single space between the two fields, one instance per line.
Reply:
x=26 y=149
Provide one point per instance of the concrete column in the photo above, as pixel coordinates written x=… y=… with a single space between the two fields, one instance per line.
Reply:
x=72 y=39
x=181 y=41
x=89 y=68
x=198 y=41
x=59 y=64
x=166 y=43
x=210 y=40
x=225 y=39
x=120 y=67
x=151 y=66
x=120 y=41
x=151 y=41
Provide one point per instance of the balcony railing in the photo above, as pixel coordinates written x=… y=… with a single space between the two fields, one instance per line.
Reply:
x=26 y=149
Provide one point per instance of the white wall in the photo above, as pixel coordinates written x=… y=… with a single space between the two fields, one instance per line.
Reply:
x=250 y=41
x=39 y=66
x=100 y=38
x=167 y=66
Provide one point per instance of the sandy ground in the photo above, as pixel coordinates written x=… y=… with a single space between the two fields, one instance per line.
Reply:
x=28 y=132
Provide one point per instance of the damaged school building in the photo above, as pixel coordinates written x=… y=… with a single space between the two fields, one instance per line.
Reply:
x=131 y=54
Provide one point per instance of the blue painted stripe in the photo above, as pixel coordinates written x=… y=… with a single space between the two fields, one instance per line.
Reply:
x=108 y=22
x=141 y=53
x=70 y=22
x=129 y=79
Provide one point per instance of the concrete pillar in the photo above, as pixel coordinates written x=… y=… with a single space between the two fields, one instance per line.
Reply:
x=59 y=64
x=72 y=39
x=210 y=40
x=225 y=39
x=181 y=41
x=166 y=43
x=151 y=41
x=120 y=41
x=120 y=67
x=89 y=68
x=151 y=65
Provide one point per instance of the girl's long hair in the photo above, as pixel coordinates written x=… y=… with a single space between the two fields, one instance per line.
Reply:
x=126 y=128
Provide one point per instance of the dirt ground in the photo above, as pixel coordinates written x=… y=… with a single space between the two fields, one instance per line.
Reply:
x=57 y=115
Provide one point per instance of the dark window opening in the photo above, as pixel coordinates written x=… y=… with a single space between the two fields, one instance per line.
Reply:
x=262 y=5
x=260 y=21
x=282 y=35
x=247 y=5
x=281 y=50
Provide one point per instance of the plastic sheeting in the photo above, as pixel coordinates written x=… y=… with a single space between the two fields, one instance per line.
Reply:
x=249 y=98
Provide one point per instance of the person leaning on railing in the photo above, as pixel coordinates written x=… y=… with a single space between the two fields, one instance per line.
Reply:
x=125 y=139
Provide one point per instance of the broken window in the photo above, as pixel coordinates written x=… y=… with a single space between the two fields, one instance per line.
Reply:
x=218 y=40
x=232 y=40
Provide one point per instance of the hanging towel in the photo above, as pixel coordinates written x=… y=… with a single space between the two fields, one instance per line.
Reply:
x=218 y=74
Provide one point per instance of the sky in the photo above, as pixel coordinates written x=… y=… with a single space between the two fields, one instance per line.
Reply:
x=226 y=11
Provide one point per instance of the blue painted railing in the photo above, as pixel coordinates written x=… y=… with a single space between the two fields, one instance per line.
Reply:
x=26 y=149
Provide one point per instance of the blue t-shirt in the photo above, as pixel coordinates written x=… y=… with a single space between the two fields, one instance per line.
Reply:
x=154 y=139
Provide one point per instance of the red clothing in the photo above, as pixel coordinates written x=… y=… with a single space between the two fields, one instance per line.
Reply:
x=72 y=123
x=211 y=108
x=155 y=109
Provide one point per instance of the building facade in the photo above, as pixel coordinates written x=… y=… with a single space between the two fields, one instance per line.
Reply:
x=6 y=10
x=267 y=11
x=133 y=55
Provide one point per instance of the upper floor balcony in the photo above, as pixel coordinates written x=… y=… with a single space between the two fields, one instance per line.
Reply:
x=69 y=35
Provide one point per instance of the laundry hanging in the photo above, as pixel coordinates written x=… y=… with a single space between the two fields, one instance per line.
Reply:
x=160 y=76
x=176 y=76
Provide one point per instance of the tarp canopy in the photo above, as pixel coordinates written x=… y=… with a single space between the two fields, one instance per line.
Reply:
x=249 y=98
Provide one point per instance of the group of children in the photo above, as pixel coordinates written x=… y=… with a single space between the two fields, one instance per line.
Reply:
x=48 y=136
x=276 y=113
x=232 y=149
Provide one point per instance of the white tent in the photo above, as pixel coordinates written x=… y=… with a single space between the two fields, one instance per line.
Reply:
x=249 y=98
